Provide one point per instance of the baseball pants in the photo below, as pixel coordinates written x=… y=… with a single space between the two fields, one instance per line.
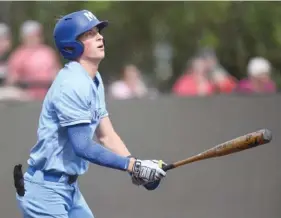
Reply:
x=49 y=199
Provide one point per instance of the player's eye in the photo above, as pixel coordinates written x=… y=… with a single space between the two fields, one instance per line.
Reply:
x=91 y=33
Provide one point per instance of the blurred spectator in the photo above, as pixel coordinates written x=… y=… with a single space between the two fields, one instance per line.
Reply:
x=259 y=78
x=13 y=93
x=194 y=82
x=131 y=84
x=33 y=65
x=205 y=77
x=6 y=92
x=222 y=81
x=5 y=46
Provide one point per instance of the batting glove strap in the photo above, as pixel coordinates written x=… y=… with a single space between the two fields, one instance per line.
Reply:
x=137 y=168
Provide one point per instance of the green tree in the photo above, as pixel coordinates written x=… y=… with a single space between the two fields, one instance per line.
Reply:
x=237 y=30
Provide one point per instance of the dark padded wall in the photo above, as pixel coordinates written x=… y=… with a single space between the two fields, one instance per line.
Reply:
x=244 y=185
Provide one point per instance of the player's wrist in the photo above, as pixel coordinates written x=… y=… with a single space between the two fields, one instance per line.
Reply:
x=132 y=161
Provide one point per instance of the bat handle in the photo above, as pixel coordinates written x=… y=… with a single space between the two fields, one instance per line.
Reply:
x=168 y=167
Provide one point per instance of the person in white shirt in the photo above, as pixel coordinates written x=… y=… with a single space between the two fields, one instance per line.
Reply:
x=130 y=86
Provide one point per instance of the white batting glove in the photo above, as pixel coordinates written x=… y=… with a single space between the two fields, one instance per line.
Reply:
x=139 y=181
x=145 y=171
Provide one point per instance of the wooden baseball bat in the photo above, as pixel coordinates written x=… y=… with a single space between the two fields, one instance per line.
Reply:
x=238 y=144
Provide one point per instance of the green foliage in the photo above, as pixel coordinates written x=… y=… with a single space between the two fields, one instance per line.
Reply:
x=237 y=30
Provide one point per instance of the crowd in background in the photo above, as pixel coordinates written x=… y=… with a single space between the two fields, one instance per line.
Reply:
x=205 y=76
x=27 y=71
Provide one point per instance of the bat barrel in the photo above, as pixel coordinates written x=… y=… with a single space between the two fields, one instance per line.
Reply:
x=247 y=141
x=267 y=135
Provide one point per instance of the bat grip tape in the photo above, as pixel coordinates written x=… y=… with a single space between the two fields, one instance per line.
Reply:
x=168 y=167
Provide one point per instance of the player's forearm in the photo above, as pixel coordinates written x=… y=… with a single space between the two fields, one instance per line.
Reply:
x=115 y=144
x=109 y=138
x=86 y=148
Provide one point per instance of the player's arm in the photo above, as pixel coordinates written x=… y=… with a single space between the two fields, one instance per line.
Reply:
x=84 y=147
x=107 y=135
x=110 y=139
x=74 y=113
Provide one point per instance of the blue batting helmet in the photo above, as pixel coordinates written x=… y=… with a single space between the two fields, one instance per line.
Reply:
x=69 y=27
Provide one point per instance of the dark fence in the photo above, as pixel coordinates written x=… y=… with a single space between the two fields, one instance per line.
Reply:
x=244 y=185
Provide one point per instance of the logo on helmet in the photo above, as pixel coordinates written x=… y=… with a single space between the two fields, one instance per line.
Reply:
x=90 y=16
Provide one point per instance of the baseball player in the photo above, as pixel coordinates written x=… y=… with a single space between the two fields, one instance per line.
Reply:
x=73 y=111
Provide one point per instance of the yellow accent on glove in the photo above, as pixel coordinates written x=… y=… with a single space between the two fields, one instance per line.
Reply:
x=160 y=163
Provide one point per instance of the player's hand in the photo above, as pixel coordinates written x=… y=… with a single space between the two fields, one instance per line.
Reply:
x=149 y=185
x=153 y=185
x=145 y=171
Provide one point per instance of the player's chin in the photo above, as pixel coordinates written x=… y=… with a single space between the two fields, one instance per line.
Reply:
x=101 y=54
x=98 y=56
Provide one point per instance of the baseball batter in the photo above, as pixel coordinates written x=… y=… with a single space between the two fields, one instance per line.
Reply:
x=73 y=111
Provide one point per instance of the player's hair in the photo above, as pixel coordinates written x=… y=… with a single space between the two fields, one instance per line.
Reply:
x=58 y=18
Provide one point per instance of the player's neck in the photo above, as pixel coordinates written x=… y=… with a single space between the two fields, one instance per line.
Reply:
x=90 y=67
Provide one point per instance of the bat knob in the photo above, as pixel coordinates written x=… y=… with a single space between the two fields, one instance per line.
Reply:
x=267 y=135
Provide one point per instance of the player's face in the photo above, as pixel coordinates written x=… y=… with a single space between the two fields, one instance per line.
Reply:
x=93 y=44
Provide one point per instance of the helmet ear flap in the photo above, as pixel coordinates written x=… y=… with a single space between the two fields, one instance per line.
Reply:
x=72 y=50
x=80 y=48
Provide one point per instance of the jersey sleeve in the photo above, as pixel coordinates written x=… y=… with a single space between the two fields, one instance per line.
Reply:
x=104 y=112
x=73 y=105
x=103 y=109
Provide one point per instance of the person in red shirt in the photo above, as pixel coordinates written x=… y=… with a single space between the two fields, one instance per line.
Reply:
x=33 y=65
x=5 y=47
x=222 y=81
x=194 y=82
x=205 y=77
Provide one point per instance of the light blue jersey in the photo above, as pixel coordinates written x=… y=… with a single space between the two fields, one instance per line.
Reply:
x=73 y=98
